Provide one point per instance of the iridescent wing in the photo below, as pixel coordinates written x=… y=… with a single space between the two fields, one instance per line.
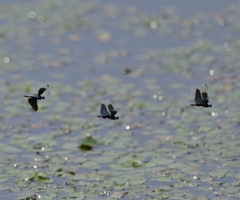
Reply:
x=33 y=103
x=111 y=110
x=42 y=90
x=198 y=97
x=103 y=111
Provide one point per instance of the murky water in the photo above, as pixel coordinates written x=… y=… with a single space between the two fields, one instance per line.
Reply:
x=160 y=148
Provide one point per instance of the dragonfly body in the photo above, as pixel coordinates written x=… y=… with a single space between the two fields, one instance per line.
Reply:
x=32 y=99
x=109 y=115
x=35 y=96
x=201 y=100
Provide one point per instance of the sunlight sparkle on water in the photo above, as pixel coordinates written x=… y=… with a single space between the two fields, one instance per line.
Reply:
x=142 y=68
x=220 y=99
x=6 y=60
x=214 y=114
x=154 y=24
x=160 y=98
x=32 y=14
x=127 y=127
x=40 y=19
x=221 y=22
x=211 y=72
x=225 y=45
x=197 y=23
x=52 y=92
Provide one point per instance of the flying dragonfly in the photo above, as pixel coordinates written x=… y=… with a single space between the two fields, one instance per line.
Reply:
x=33 y=98
x=105 y=114
x=201 y=100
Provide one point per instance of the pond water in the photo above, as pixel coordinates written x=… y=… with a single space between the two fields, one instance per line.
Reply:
x=147 y=59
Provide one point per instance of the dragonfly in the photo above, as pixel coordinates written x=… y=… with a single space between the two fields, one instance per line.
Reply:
x=201 y=100
x=32 y=100
x=105 y=114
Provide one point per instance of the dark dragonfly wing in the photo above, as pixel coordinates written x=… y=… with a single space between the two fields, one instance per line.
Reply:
x=42 y=90
x=198 y=97
x=103 y=111
x=205 y=95
x=111 y=110
x=33 y=103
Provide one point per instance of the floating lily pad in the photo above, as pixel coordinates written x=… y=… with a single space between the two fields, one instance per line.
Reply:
x=88 y=144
